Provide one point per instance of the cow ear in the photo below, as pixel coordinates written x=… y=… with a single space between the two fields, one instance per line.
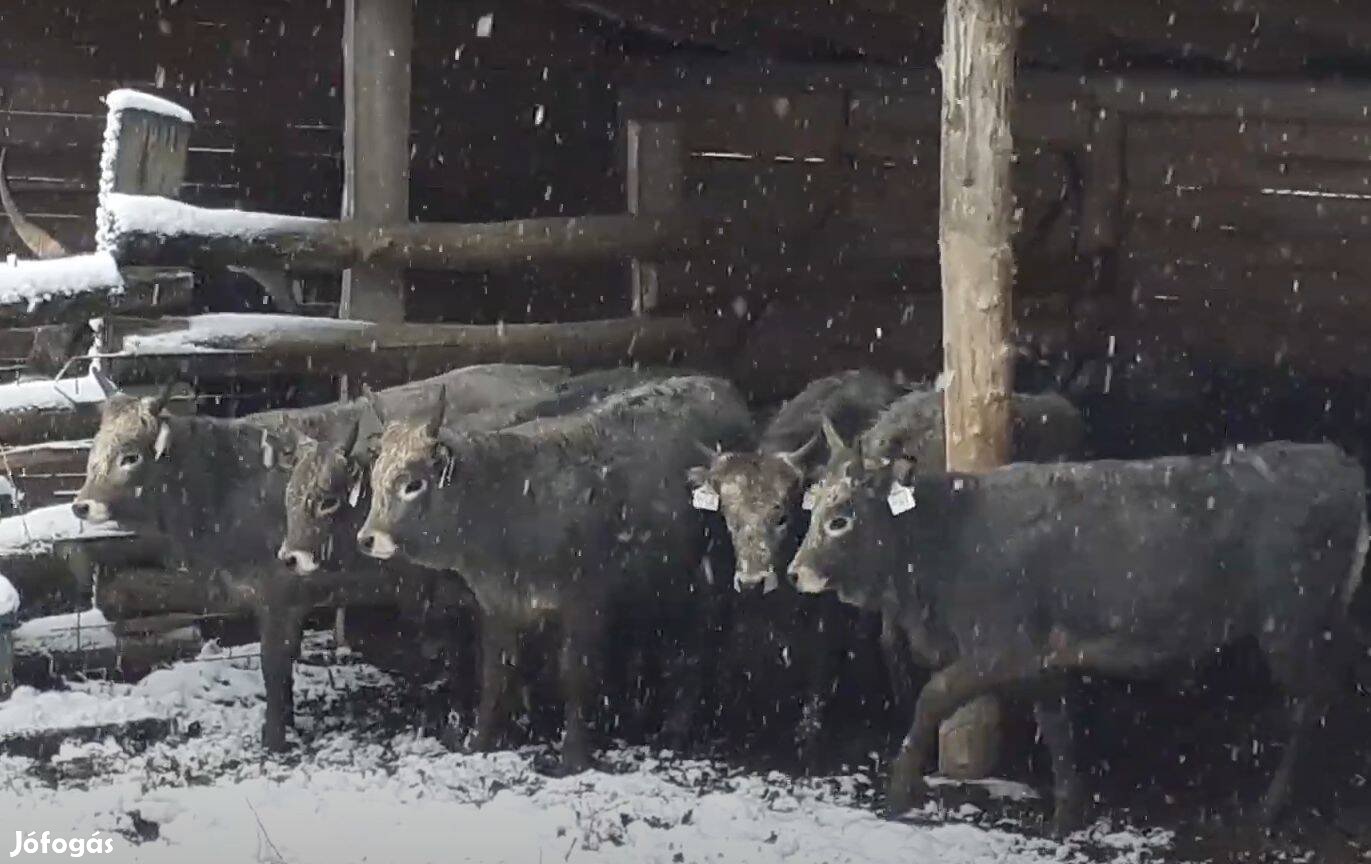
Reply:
x=698 y=476
x=350 y=437
x=902 y=471
x=835 y=441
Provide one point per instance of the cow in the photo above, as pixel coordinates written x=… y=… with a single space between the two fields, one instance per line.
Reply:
x=573 y=518
x=212 y=494
x=1029 y=573
x=327 y=497
x=757 y=492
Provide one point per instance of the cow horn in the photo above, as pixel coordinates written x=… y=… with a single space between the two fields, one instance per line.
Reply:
x=435 y=420
x=108 y=387
x=836 y=444
x=709 y=452
x=39 y=242
x=795 y=458
x=350 y=438
x=160 y=401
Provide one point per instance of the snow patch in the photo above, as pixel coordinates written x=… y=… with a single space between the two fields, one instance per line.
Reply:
x=153 y=214
x=45 y=394
x=238 y=331
x=9 y=597
x=134 y=100
x=74 y=631
x=363 y=792
x=32 y=282
x=35 y=532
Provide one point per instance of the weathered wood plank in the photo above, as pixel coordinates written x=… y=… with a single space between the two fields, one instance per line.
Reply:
x=655 y=181
x=139 y=289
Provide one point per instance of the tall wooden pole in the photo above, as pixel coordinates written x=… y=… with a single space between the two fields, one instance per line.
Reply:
x=976 y=227
x=378 y=39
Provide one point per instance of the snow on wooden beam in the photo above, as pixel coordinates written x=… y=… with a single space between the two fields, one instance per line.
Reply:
x=157 y=231
x=147 y=139
x=81 y=286
x=227 y=344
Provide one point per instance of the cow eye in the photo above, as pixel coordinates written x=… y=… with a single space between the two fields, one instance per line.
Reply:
x=783 y=521
x=413 y=489
x=130 y=459
x=329 y=505
x=838 y=525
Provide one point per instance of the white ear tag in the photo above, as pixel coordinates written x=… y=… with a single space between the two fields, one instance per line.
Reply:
x=159 y=447
x=900 y=499
x=809 y=501
x=268 y=453
x=705 y=498
x=355 y=492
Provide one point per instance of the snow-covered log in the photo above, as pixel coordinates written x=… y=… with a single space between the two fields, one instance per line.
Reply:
x=158 y=231
x=82 y=286
x=46 y=410
x=246 y=344
x=146 y=142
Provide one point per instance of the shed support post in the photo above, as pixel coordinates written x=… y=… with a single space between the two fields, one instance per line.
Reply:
x=655 y=178
x=976 y=227
x=378 y=37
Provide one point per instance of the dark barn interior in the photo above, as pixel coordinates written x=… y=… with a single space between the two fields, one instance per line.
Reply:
x=1192 y=184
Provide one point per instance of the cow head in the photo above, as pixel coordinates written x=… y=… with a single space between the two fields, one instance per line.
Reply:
x=843 y=549
x=411 y=463
x=325 y=482
x=759 y=496
x=123 y=465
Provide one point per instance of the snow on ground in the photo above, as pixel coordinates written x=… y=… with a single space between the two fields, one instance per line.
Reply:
x=359 y=788
x=237 y=331
x=33 y=533
x=134 y=100
x=31 y=282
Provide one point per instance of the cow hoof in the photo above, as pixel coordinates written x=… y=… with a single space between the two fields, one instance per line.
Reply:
x=902 y=797
x=1067 y=820
x=550 y=765
x=455 y=740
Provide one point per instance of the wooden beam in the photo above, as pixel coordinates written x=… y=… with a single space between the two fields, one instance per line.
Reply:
x=976 y=227
x=132 y=289
x=656 y=177
x=155 y=231
x=378 y=38
x=172 y=347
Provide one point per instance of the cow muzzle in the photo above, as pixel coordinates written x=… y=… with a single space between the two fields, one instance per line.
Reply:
x=377 y=544
x=298 y=560
x=747 y=580
x=88 y=510
x=807 y=580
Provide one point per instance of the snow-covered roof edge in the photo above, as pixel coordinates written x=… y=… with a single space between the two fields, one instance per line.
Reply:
x=125 y=100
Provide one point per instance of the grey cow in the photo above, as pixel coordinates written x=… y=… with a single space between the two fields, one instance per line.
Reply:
x=1030 y=573
x=574 y=518
x=210 y=490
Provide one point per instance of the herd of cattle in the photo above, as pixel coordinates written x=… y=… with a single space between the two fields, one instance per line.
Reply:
x=613 y=504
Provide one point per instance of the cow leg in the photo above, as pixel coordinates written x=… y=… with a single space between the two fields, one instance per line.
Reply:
x=1307 y=671
x=1053 y=713
x=499 y=657
x=279 y=627
x=582 y=644
x=945 y=692
x=895 y=651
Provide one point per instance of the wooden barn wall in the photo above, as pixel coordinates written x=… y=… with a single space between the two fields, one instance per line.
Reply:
x=263 y=79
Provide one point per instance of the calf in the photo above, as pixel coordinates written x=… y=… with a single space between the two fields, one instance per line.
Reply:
x=208 y=490
x=573 y=518
x=1022 y=576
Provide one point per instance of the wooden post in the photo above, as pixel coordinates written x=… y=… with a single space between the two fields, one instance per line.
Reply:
x=976 y=226
x=147 y=140
x=655 y=178
x=378 y=37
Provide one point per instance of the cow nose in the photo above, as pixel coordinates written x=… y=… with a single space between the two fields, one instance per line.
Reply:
x=367 y=542
x=794 y=576
x=81 y=509
x=291 y=560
